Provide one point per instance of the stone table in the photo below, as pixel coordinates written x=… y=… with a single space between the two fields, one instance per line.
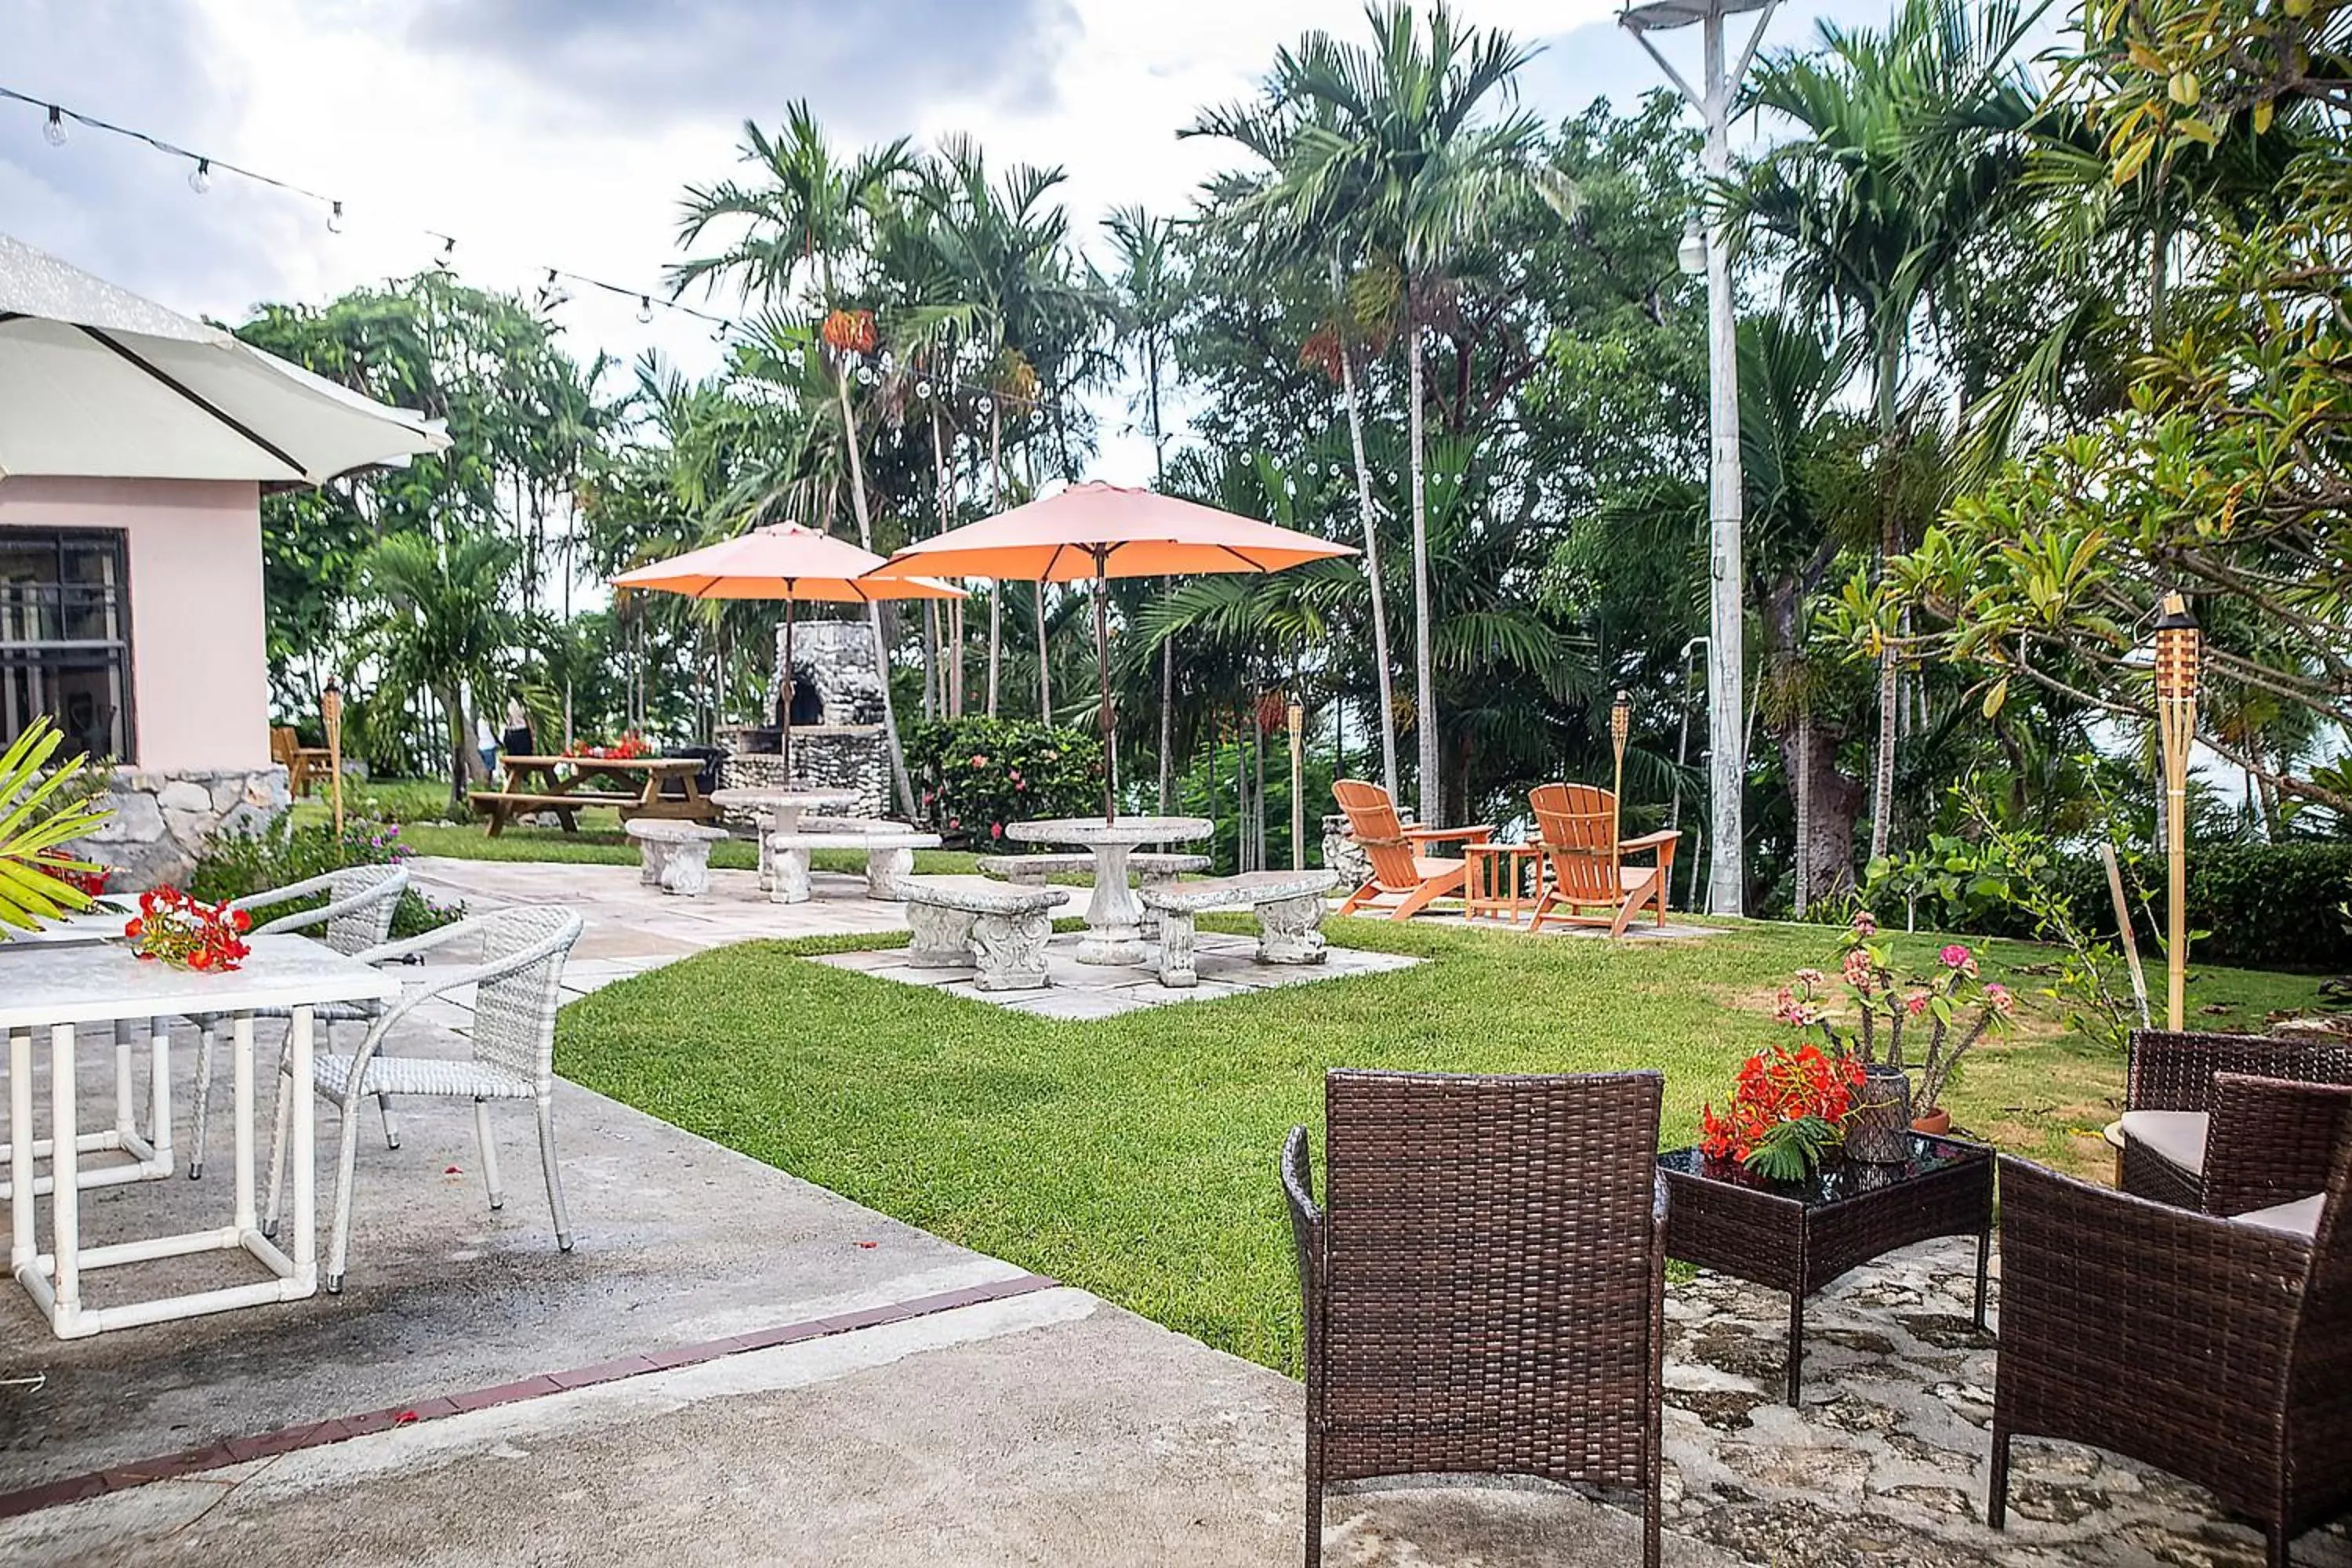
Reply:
x=778 y=811
x=1114 y=931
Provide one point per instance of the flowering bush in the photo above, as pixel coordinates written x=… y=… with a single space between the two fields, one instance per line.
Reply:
x=236 y=864
x=1788 y=1107
x=628 y=747
x=188 y=933
x=1952 y=1004
x=86 y=876
x=974 y=775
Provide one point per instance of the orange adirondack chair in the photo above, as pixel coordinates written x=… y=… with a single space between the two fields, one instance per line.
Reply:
x=1399 y=871
x=1578 y=824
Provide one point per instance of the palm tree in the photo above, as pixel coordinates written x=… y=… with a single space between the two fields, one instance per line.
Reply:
x=1387 y=153
x=1911 y=142
x=443 y=624
x=807 y=213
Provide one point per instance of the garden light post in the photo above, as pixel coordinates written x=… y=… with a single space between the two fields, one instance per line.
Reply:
x=331 y=712
x=2176 y=717
x=1727 y=736
x=1298 y=786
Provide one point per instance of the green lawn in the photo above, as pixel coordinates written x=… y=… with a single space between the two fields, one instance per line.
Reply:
x=1135 y=1156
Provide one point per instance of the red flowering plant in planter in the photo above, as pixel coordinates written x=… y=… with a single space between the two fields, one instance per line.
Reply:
x=1788 y=1110
x=188 y=933
x=627 y=748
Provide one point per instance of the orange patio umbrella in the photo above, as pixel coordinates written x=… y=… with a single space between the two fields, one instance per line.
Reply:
x=1098 y=532
x=782 y=560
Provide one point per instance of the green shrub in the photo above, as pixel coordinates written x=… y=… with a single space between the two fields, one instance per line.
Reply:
x=236 y=865
x=2255 y=906
x=973 y=776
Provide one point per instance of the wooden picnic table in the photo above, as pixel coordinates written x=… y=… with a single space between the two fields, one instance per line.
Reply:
x=634 y=785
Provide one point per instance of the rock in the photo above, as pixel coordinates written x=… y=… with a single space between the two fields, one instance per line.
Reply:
x=137 y=819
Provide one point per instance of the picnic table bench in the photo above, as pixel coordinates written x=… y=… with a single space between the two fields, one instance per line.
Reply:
x=635 y=786
x=1289 y=906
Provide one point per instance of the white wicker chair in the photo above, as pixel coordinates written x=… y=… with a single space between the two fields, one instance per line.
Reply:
x=517 y=992
x=357 y=915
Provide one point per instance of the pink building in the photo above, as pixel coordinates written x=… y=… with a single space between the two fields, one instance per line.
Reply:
x=134 y=446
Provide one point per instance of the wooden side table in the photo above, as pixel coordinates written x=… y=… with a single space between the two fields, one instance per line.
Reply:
x=1503 y=882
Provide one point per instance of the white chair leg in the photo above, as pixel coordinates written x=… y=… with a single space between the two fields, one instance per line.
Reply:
x=278 y=1148
x=489 y=1153
x=554 y=1177
x=204 y=1104
x=339 y=1247
x=391 y=1132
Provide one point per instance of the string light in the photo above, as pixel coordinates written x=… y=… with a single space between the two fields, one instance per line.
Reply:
x=58 y=119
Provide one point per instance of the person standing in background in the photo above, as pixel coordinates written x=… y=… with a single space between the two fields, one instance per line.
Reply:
x=487 y=744
x=518 y=741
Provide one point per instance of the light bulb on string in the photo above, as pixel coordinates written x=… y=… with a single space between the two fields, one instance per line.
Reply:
x=923 y=391
x=335 y=218
x=53 y=132
x=200 y=179
x=645 y=309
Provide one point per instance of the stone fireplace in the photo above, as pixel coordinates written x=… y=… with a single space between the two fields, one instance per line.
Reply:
x=837 y=733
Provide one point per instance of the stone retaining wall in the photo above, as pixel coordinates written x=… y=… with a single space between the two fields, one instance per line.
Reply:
x=826 y=756
x=162 y=820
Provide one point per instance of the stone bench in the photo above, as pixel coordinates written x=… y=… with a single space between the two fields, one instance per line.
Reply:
x=1152 y=870
x=1289 y=906
x=674 y=856
x=889 y=856
x=1000 y=930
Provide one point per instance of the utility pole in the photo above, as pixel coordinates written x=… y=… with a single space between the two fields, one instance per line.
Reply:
x=1704 y=249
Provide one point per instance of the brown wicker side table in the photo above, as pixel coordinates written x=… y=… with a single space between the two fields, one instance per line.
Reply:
x=1799 y=1235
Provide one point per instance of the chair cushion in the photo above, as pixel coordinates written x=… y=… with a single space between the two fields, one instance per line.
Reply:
x=2299 y=1216
x=2176 y=1136
x=437 y=1077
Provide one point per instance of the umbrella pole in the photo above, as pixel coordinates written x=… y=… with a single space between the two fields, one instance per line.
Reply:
x=1102 y=681
x=787 y=715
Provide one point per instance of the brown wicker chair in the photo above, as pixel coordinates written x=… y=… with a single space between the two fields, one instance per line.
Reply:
x=2218 y=1348
x=2169 y=1133
x=1483 y=1293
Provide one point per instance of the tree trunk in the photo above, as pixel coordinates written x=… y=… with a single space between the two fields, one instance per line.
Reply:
x=462 y=757
x=1424 y=666
x=905 y=791
x=1890 y=543
x=1834 y=800
x=1803 y=849
x=1371 y=537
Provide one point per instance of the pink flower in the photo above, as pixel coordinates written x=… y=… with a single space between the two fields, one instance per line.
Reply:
x=1998 y=997
x=979 y=760
x=1810 y=978
x=1917 y=1003
x=1865 y=924
x=1953 y=957
x=1860 y=973
x=997 y=830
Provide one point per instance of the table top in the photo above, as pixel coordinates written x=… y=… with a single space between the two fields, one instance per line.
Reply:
x=609 y=764
x=1090 y=830
x=1837 y=1181
x=735 y=796
x=101 y=924
x=96 y=982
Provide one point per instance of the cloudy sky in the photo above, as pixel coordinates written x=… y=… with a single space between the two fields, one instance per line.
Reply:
x=559 y=133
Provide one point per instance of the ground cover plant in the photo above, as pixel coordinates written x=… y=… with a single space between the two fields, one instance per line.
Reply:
x=1134 y=1156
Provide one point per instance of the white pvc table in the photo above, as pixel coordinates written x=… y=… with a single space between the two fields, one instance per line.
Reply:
x=61 y=987
x=1114 y=920
x=150 y=1152
x=777 y=811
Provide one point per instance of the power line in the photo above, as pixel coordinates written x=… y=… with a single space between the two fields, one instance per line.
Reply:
x=205 y=167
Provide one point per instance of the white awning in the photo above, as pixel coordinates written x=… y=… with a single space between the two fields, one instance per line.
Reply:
x=95 y=382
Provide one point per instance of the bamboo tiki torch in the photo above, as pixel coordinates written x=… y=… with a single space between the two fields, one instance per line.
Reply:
x=1621 y=725
x=331 y=710
x=2176 y=713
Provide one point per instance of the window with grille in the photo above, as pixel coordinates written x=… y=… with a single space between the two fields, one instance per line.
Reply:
x=64 y=636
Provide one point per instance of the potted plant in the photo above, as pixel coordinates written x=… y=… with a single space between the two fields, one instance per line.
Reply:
x=1952 y=1007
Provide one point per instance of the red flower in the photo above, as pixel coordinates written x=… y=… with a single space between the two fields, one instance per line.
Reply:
x=241 y=919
